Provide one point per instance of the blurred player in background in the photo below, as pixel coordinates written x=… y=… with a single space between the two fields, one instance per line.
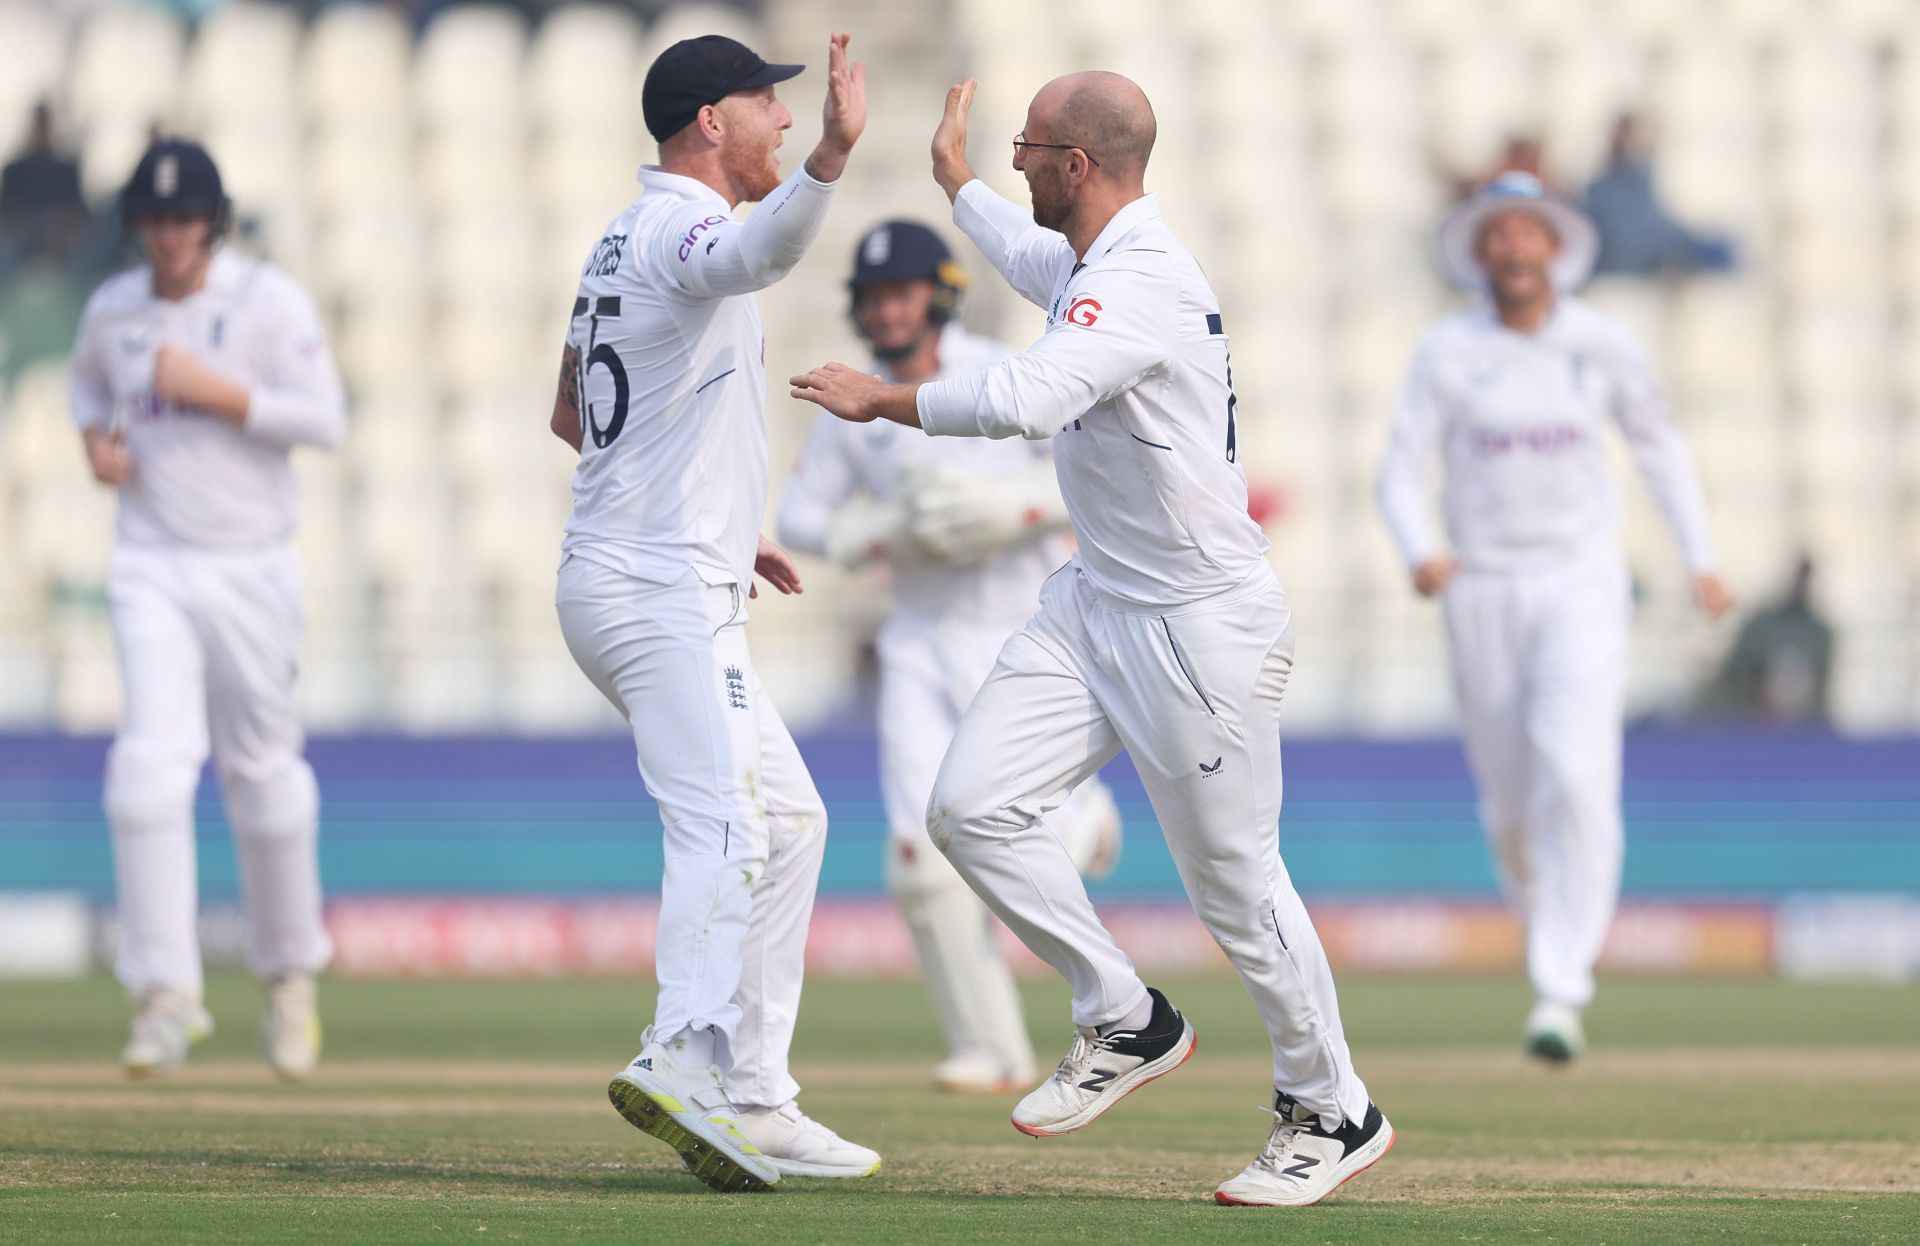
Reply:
x=969 y=530
x=1167 y=634
x=194 y=374
x=663 y=392
x=1513 y=394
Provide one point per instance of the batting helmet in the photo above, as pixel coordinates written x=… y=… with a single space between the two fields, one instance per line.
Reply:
x=907 y=251
x=176 y=178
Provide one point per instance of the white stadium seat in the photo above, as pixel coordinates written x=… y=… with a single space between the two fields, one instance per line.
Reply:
x=107 y=157
x=356 y=65
x=243 y=62
x=469 y=73
x=582 y=65
x=126 y=68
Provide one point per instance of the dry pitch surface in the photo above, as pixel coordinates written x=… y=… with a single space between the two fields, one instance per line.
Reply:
x=1711 y=1111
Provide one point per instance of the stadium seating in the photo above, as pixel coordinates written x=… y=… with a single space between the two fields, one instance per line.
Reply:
x=437 y=192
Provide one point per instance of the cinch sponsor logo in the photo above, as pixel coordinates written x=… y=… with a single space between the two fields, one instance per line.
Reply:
x=1539 y=439
x=693 y=235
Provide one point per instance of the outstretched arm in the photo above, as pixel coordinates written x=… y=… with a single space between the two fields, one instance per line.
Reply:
x=1032 y=259
x=1033 y=394
x=716 y=256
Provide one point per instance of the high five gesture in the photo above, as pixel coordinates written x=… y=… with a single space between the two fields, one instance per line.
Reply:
x=950 y=167
x=843 y=116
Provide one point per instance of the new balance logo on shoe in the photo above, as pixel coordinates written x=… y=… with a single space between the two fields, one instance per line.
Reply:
x=1210 y=771
x=1298 y=1169
x=1097 y=1079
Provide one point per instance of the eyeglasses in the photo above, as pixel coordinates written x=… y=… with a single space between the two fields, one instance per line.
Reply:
x=1020 y=141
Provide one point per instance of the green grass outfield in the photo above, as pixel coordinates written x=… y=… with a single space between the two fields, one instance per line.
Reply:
x=455 y=1111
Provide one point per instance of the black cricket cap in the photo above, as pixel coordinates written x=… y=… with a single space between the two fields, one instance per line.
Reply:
x=696 y=72
x=175 y=176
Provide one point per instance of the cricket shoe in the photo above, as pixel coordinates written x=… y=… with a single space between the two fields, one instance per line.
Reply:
x=979 y=1071
x=290 y=1029
x=1303 y=1162
x=165 y=1027
x=686 y=1107
x=1102 y=1069
x=1554 y=1033
x=799 y=1146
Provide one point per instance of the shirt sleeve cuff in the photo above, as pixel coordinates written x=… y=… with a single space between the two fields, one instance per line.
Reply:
x=975 y=204
x=946 y=407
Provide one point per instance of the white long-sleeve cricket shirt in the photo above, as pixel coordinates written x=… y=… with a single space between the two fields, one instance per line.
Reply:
x=1133 y=383
x=1519 y=421
x=673 y=458
x=199 y=480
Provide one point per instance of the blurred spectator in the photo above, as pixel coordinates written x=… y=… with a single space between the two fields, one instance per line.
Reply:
x=1523 y=153
x=1638 y=236
x=1778 y=669
x=42 y=212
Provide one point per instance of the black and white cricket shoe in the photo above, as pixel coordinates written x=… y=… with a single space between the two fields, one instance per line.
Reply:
x=1302 y=1163
x=1100 y=1070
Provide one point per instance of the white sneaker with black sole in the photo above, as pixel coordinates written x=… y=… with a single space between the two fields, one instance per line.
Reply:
x=1100 y=1070
x=686 y=1107
x=799 y=1146
x=1302 y=1163
x=1554 y=1033
x=165 y=1028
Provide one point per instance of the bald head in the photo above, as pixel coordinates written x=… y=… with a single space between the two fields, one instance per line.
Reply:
x=1103 y=113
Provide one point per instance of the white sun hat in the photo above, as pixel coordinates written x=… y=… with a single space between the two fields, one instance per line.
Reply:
x=1458 y=237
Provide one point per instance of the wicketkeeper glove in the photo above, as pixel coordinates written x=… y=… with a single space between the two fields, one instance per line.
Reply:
x=866 y=529
x=967 y=519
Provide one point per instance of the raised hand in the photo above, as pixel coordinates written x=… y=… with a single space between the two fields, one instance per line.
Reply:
x=950 y=167
x=844 y=116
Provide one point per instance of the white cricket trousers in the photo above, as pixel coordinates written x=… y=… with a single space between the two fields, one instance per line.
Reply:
x=209 y=646
x=1539 y=666
x=743 y=830
x=1193 y=694
x=930 y=669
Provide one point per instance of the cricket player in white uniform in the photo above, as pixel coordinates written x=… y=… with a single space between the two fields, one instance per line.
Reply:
x=1167 y=634
x=968 y=530
x=663 y=392
x=1514 y=394
x=194 y=375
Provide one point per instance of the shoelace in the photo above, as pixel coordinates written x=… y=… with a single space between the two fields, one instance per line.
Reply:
x=1279 y=1148
x=1085 y=1047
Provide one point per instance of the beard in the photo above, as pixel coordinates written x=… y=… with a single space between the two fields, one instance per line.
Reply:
x=756 y=171
x=1051 y=206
